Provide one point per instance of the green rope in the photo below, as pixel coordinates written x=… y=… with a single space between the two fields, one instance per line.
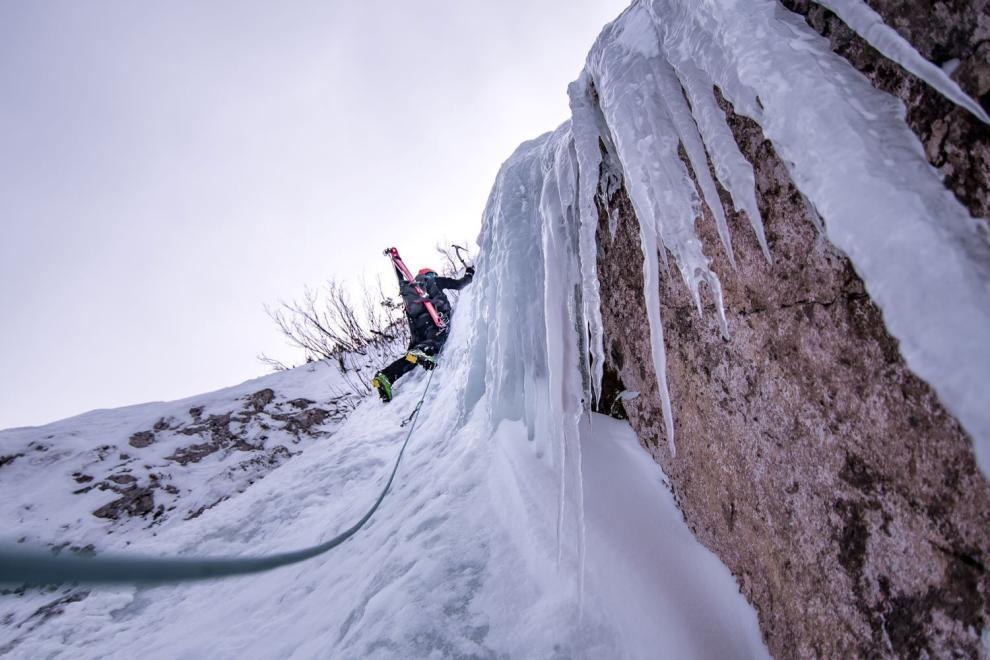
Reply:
x=33 y=566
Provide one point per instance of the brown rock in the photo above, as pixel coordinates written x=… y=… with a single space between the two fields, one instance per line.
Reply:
x=133 y=502
x=828 y=477
x=260 y=399
x=141 y=439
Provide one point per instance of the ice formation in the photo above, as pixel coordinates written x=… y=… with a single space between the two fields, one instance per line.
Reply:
x=461 y=559
x=644 y=109
x=868 y=24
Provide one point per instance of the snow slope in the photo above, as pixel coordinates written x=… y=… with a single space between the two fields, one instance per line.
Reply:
x=460 y=561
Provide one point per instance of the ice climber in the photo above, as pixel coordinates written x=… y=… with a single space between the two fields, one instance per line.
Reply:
x=428 y=311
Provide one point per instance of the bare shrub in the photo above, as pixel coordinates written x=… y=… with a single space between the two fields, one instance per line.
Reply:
x=328 y=326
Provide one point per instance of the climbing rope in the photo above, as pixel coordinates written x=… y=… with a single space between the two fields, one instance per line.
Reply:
x=26 y=566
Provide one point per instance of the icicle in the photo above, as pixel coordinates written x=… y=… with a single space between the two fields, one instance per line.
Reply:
x=623 y=68
x=563 y=330
x=577 y=253
x=586 y=126
x=733 y=171
x=687 y=130
x=512 y=359
x=686 y=39
x=611 y=179
x=868 y=24
x=651 y=284
x=550 y=217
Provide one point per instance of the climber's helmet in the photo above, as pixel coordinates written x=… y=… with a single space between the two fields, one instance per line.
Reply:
x=426 y=272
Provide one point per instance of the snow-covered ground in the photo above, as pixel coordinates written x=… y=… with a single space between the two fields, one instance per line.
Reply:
x=460 y=561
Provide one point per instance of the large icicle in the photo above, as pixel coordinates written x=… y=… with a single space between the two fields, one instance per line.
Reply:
x=868 y=24
x=731 y=167
x=651 y=286
x=586 y=128
x=510 y=359
x=531 y=276
x=733 y=171
x=623 y=66
x=687 y=130
x=558 y=209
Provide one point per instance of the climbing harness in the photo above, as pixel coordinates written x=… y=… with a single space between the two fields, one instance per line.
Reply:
x=32 y=566
x=393 y=254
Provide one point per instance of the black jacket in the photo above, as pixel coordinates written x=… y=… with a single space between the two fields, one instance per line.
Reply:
x=421 y=325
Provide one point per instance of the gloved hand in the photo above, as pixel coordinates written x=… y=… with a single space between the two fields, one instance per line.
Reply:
x=429 y=365
x=469 y=271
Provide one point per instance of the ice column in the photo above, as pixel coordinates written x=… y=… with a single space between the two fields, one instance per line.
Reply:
x=508 y=357
x=562 y=276
x=588 y=129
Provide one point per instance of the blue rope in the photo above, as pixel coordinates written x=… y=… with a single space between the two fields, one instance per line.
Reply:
x=33 y=566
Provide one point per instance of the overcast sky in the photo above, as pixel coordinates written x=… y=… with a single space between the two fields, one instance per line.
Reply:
x=168 y=168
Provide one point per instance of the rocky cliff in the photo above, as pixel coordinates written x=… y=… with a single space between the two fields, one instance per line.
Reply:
x=827 y=476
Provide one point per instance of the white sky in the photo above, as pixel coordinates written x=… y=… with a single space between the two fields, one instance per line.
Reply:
x=167 y=168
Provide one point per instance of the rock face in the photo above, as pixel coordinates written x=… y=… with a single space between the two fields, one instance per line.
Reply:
x=827 y=476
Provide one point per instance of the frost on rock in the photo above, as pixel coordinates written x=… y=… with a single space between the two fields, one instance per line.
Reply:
x=867 y=23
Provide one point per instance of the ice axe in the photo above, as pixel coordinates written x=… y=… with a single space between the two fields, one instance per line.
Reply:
x=457 y=251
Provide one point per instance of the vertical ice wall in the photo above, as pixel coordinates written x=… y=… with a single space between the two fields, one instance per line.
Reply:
x=529 y=355
x=644 y=110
